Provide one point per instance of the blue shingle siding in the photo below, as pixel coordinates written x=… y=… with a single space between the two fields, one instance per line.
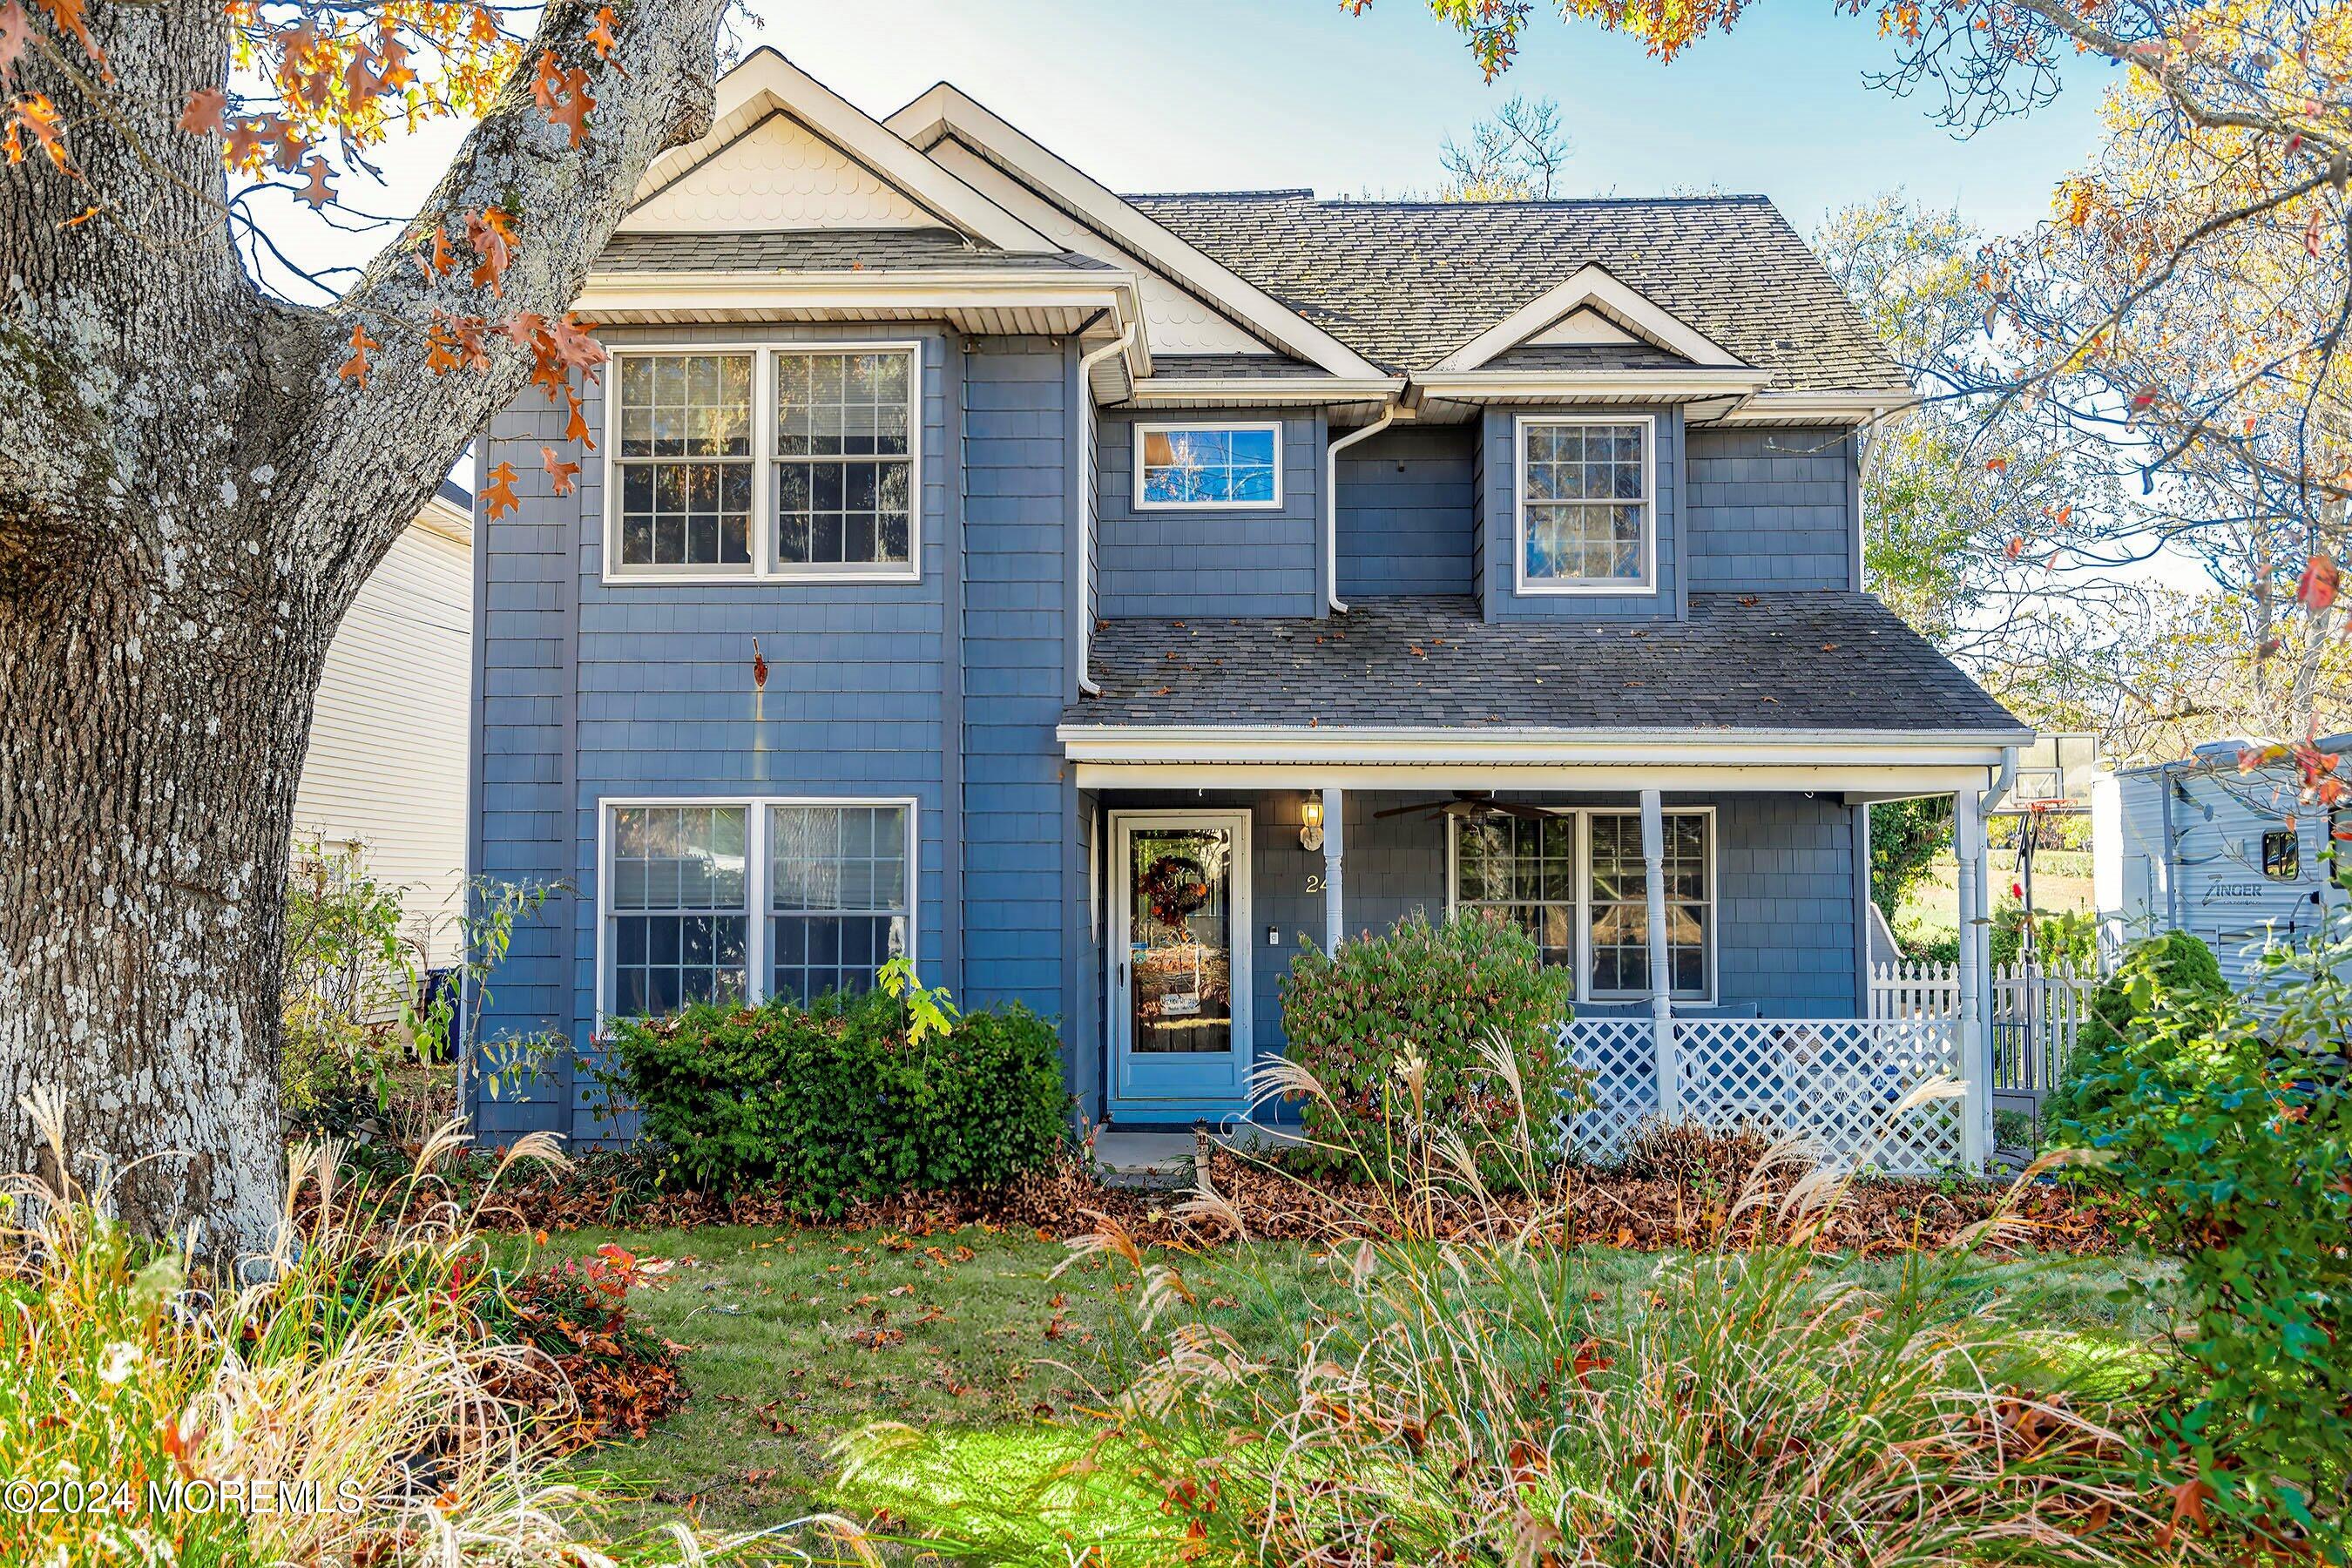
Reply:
x=1021 y=537
x=1244 y=561
x=1771 y=509
x=1785 y=878
x=1499 y=501
x=1405 y=519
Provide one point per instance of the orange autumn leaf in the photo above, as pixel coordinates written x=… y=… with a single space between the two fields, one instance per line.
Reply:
x=316 y=190
x=33 y=111
x=13 y=23
x=563 y=93
x=605 y=40
x=356 y=367
x=491 y=233
x=73 y=20
x=201 y=117
x=498 y=495
x=560 y=473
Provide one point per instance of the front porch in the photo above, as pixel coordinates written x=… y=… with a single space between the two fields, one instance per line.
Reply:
x=1716 y=920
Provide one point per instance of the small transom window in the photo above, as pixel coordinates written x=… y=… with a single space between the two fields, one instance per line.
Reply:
x=1584 y=504
x=1208 y=465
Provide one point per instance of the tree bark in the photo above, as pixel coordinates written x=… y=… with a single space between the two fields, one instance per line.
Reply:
x=190 y=497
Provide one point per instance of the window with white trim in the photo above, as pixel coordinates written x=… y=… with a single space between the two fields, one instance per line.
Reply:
x=832 y=882
x=824 y=485
x=1208 y=466
x=677 y=917
x=1585 y=511
x=1621 y=906
x=1523 y=871
x=838 y=896
x=684 y=461
x=1529 y=872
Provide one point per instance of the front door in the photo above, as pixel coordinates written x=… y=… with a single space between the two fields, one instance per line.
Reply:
x=1180 y=955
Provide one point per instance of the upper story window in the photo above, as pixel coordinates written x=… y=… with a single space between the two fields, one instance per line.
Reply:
x=822 y=486
x=1208 y=466
x=1587 y=512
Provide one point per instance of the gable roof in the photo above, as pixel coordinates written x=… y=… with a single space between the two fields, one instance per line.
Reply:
x=1410 y=283
x=766 y=84
x=947 y=113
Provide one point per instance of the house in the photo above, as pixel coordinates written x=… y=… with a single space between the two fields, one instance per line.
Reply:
x=390 y=742
x=2236 y=856
x=1093 y=597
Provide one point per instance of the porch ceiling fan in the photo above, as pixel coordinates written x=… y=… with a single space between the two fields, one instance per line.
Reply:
x=1471 y=803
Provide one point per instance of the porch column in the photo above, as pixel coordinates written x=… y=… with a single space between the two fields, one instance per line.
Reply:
x=1975 y=1044
x=1662 y=1010
x=1335 y=817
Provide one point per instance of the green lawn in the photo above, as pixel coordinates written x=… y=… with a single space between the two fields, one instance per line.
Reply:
x=2062 y=882
x=797 y=1338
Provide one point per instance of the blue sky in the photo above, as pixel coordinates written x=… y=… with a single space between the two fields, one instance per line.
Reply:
x=1200 y=94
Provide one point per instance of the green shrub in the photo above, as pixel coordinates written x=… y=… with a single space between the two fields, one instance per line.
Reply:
x=1431 y=993
x=2174 y=971
x=2060 y=936
x=846 y=1098
x=2231 y=1124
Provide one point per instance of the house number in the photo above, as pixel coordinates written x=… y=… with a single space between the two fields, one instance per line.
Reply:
x=1314 y=881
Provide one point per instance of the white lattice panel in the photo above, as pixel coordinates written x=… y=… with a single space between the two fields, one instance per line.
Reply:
x=1619 y=1058
x=1834 y=1081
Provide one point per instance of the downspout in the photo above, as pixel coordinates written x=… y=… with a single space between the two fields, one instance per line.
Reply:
x=1331 y=502
x=1086 y=363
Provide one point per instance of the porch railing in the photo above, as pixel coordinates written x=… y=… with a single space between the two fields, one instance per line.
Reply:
x=2035 y=1012
x=1834 y=1081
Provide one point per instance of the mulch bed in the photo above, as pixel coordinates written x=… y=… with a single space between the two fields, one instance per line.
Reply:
x=1643 y=1211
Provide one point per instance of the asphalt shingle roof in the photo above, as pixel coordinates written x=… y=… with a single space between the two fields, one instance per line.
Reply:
x=1406 y=283
x=1754 y=663
x=816 y=250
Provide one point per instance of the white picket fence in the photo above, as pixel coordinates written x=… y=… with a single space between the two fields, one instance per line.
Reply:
x=2035 y=1013
x=1841 y=1083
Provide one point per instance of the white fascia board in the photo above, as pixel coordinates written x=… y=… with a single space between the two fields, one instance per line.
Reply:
x=1508 y=745
x=1878 y=780
x=1591 y=285
x=608 y=293
x=1819 y=407
x=946 y=109
x=1243 y=390
x=767 y=75
x=1570 y=385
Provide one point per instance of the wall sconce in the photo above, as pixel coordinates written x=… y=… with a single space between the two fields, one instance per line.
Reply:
x=1310 y=823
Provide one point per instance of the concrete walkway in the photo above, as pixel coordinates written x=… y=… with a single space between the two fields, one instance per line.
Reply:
x=1137 y=1158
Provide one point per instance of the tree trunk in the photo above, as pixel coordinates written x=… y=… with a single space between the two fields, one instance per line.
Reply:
x=192 y=492
x=149 y=754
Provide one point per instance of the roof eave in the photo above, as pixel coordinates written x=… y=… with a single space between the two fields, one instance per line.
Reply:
x=1580 y=386
x=1508 y=745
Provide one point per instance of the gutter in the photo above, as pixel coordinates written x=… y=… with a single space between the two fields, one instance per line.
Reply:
x=1389 y=414
x=1086 y=363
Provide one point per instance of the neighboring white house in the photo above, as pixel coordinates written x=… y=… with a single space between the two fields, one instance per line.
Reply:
x=389 y=740
x=2237 y=858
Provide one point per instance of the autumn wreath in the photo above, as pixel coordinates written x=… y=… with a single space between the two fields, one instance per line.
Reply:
x=1173 y=886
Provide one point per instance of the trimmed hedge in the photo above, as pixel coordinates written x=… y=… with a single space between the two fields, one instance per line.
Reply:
x=1435 y=992
x=839 y=1101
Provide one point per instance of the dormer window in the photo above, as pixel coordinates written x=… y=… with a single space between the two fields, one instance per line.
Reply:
x=1208 y=466
x=1587 y=505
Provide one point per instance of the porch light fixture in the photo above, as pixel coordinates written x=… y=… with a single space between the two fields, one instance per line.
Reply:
x=1310 y=823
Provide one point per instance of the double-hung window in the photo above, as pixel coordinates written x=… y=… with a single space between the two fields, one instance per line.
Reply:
x=787 y=462
x=1587 y=516
x=752 y=899
x=1575 y=881
x=1208 y=466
